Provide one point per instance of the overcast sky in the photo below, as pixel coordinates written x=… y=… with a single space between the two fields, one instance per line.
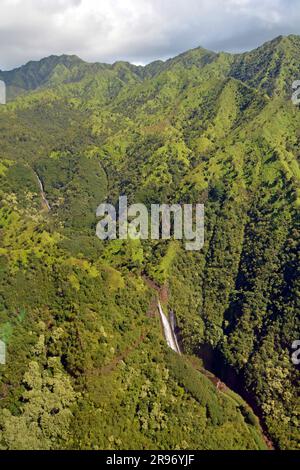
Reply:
x=137 y=30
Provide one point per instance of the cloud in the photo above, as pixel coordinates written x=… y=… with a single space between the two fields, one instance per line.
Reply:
x=137 y=30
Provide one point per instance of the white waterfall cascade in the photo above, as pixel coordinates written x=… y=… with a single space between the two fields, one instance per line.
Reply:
x=168 y=331
x=43 y=193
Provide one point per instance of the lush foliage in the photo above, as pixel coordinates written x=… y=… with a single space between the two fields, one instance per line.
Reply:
x=87 y=365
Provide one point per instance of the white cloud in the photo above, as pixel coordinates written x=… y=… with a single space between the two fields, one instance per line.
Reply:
x=137 y=30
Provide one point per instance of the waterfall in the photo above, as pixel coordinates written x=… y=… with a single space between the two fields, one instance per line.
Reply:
x=168 y=331
x=173 y=328
x=43 y=193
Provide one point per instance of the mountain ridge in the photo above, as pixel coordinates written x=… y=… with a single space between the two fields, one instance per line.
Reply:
x=40 y=71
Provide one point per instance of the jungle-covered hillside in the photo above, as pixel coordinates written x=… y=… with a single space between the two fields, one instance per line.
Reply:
x=87 y=364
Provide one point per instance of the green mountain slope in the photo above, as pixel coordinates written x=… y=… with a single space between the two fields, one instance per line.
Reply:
x=87 y=364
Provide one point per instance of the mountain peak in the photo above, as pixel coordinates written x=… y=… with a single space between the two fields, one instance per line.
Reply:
x=36 y=73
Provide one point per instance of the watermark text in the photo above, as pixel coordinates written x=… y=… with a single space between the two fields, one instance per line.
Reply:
x=162 y=222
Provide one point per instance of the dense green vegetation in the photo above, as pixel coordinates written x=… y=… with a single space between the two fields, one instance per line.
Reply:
x=87 y=365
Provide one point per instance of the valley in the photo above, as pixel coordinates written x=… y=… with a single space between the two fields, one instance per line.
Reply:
x=94 y=363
